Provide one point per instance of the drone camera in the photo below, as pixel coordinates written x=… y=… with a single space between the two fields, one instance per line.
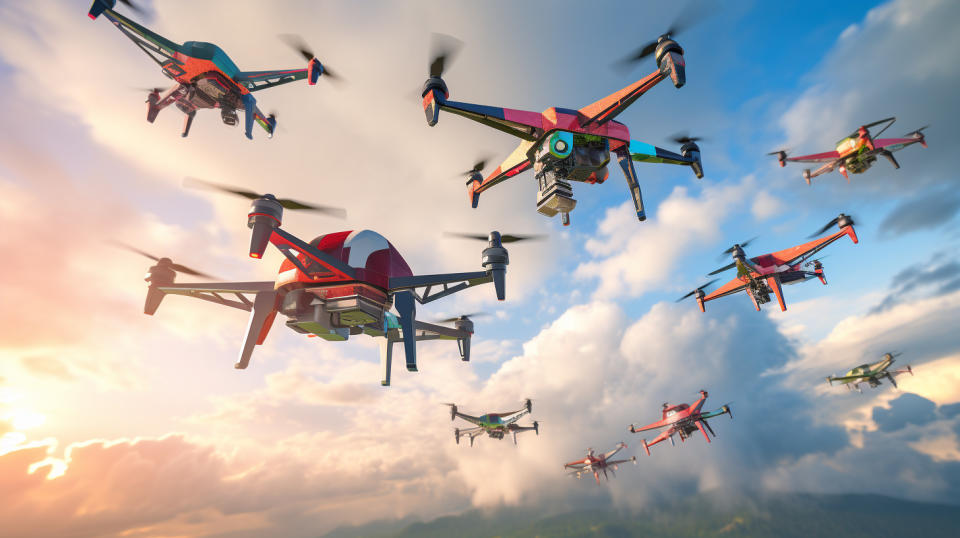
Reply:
x=495 y=260
x=265 y=215
x=670 y=61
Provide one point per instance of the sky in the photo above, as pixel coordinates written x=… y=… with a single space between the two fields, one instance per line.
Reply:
x=116 y=423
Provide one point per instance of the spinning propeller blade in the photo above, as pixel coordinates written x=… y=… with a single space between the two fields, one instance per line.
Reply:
x=687 y=18
x=477 y=167
x=695 y=290
x=297 y=43
x=741 y=245
x=470 y=315
x=132 y=6
x=729 y=266
x=829 y=225
x=443 y=50
x=684 y=137
x=287 y=203
x=891 y=119
x=504 y=238
x=175 y=266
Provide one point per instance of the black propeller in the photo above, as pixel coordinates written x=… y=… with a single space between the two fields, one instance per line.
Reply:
x=687 y=18
x=833 y=222
x=471 y=315
x=697 y=289
x=683 y=137
x=504 y=238
x=477 y=166
x=443 y=50
x=164 y=261
x=917 y=132
x=287 y=203
x=298 y=44
x=132 y=6
x=741 y=245
x=891 y=119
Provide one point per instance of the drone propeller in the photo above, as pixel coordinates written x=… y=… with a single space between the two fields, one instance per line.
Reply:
x=687 y=18
x=287 y=203
x=917 y=132
x=470 y=315
x=741 y=245
x=477 y=166
x=831 y=224
x=504 y=238
x=889 y=122
x=816 y=260
x=132 y=6
x=683 y=138
x=169 y=263
x=697 y=289
x=298 y=44
x=443 y=50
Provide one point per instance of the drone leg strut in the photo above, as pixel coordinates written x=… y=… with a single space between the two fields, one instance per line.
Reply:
x=386 y=361
x=630 y=173
x=261 y=318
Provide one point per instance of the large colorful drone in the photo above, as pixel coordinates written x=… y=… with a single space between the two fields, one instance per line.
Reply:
x=563 y=145
x=338 y=285
x=597 y=464
x=205 y=76
x=857 y=152
x=682 y=420
x=762 y=275
x=495 y=425
x=871 y=373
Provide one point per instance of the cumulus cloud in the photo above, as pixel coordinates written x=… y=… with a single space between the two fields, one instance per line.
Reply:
x=629 y=261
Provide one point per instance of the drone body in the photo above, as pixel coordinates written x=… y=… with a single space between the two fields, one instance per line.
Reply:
x=338 y=285
x=204 y=76
x=856 y=153
x=682 y=420
x=871 y=373
x=563 y=145
x=598 y=463
x=764 y=275
x=495 y=425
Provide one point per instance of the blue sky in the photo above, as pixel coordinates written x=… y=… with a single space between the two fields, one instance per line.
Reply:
x=589 y=330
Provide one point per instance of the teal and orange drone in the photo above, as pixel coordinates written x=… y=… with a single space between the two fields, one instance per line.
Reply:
x=495 y=425
x=206 y=77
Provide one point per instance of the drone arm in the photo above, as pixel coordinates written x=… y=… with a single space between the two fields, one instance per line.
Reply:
x=450 y=283
x=519 y=123
x=610 y=106
x=261 y=80
x=729 y=288
x=213 y=292
x=800 y=253
x=284 y=241
x=160 y=49
x=647 y=153
x=515 y=163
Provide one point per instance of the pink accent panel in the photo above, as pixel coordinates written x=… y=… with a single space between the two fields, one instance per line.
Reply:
x=533 y=119
x=830 y=155
x=884 y=142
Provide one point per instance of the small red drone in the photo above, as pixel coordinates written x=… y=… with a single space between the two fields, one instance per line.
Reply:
x=682 y=420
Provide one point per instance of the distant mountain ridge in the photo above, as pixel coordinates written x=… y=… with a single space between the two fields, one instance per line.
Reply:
x=705 y=515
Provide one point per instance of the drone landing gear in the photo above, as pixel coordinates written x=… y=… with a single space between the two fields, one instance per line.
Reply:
x=187 y=123
x=630 y=173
